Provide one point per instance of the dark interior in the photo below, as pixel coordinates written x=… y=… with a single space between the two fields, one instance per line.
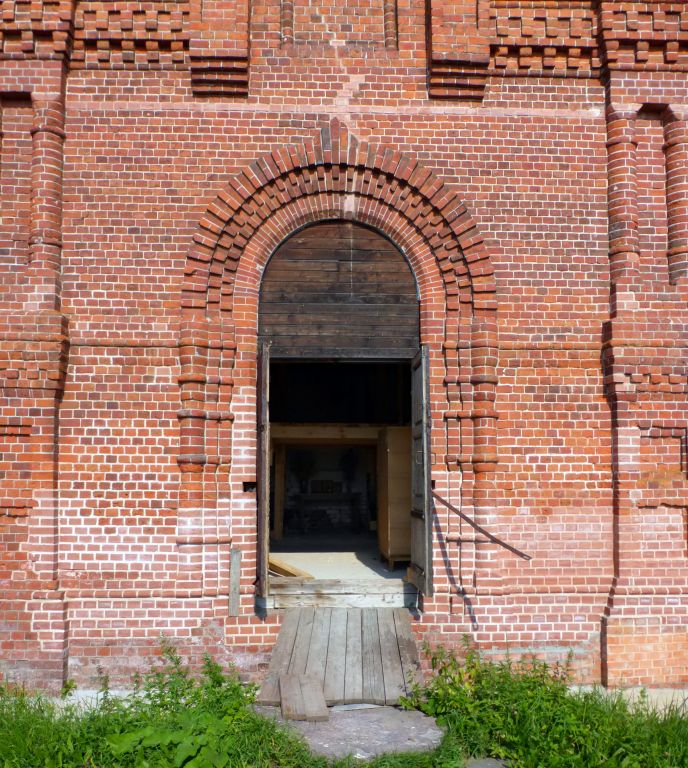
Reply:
x=340 y=393
x=330 y=490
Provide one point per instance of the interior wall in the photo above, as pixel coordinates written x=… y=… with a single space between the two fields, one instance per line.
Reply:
x=339 y=481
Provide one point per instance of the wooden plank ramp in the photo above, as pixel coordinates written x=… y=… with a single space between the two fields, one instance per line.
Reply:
x=302 y=698
x=328 y=656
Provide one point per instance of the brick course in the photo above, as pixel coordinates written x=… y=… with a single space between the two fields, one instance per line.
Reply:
x=528 y=158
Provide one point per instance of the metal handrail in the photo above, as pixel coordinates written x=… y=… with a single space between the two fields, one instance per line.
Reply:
x=478 y=528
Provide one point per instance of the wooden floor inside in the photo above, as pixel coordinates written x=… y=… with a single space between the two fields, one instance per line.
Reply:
x=357 y=655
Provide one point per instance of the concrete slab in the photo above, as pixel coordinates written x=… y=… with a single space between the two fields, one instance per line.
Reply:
x=326 y=558
x=658 y=698
x=365 y=733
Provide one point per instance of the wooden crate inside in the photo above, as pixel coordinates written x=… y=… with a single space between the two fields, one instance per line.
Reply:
x=394 y=494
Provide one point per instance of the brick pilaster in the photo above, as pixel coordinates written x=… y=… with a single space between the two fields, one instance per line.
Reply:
x=46 y=204
x=676 y=151
x=623 y=205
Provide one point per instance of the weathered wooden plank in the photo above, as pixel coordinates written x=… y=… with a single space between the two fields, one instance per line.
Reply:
x=281 y=299
x=378 y=600
x=382 y=328
x=314 y=706
x=317 y=652
x=282 y=568
x=284 y=298
x=369 y=318
x=269 y=691
x=279 y=491
x=371 y=309
x=299 y=657
x=362 y=263
x=408 y=649
x=359 y=349
x=373 y=680
x=234 y=581
x=379 y=336
x=285 y=642
x=341 y=228
x=332 y=273
x=420 y=571
x=370 y=248
x=364 y=248
x=298 y=586
x=320 y=274
x=330 y=296
x=285 y=351
x=353 y=674
x=291 y=698
x=279 y=660
x=391 y=661
x=336 y=658
x=263 y=467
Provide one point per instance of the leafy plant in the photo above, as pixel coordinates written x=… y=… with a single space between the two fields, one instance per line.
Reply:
x=172 y=720
x=523 y=711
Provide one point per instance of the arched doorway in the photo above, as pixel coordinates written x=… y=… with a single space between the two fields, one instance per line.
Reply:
x=328 y=176
x=344 y=474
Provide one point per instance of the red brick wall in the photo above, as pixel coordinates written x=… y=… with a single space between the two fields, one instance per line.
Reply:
x=530 y=161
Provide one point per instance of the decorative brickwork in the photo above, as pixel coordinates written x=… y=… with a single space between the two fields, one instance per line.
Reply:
x=131 y=34
x=552 y=38
x=471 y=41
x=645 y=36
x=529 y=158
x=219 y=49
x=35 y=28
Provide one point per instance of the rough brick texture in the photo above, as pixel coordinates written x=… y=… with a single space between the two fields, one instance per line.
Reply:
x=529 y=157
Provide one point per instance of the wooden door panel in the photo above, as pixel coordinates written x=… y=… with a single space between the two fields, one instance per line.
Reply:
x=420 y=570
x=334 y=276
x=263 y=392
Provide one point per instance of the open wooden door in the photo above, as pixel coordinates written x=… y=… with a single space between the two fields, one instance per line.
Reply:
x=420 y=570
x=263 y=487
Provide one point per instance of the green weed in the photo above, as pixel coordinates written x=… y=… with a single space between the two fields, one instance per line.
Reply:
x=172 y=720
x=524 y=712
x=521 y=711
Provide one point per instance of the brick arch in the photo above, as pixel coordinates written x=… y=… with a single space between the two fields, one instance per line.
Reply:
x=332 y=178
x=352 y=176
x=377 y=214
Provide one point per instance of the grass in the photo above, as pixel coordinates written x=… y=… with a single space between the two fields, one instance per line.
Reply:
x=171 y=719
x=520 y=711
x=524 y=712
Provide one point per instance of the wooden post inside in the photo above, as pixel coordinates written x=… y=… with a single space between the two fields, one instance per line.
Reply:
x=280 y=480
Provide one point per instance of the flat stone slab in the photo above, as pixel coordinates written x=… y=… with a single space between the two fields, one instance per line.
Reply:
x=365 y=732
x=485 y=762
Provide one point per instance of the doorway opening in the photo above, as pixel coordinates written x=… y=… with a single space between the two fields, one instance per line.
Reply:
x=340 y=505
x=343 y=461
